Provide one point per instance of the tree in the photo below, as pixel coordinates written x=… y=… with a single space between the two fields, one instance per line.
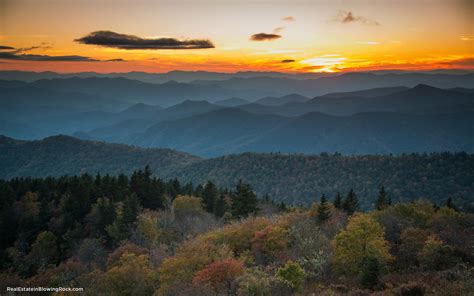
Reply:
x=450 y=204
x=324 y=211
x=362 y=239
x=436 y=255
x=148 y=190
x=132 y=275
x=292 y=275
x=209 y=196
x=44 y=251
x=220 y=206
x=351 y=203
x=219 y=275
x=187 y=205
x=244 y=200
x=382 y=200
x=371 y=273
x=338 y=201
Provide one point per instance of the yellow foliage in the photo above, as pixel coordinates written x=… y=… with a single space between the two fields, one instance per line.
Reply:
x=185 y=204
x=363 y=238
x=190 y=258
x=133 y=275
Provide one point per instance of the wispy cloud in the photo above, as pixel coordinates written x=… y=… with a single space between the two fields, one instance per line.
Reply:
x=368 y=42
x=288 y=61
x=130 y=42
x=466 y=38
x=347 y=17
x=18 y=54
x=278 y=29
x=264 y=37
x=288 y=19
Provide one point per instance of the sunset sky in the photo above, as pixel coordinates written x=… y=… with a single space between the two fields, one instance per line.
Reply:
x=229 y=36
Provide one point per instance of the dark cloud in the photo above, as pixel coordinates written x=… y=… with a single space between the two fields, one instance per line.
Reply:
x=44 y=58
x=288 y=19
x=115 y=60
x=20 y=55
x=346 y=17
x=288 y=61
x=123 y=41
x=264 y=37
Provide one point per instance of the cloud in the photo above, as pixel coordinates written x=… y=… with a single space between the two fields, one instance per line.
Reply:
x=369 y=42
x=123 y=41
x=287 y=61
x=44 y=58
x=18 y=54
x=466 y=38
x=288 y=19
x=264 y=37
x=115 y=60
x=278 y=30
x=347 y=17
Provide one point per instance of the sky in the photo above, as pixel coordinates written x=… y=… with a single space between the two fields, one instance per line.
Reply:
x=230 y=35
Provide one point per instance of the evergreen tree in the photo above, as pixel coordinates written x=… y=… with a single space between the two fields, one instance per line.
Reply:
x=338 y=201
x=382 y=200
x=220 y=206
x=244 y=200
x=131 y=208
x=370 y=273
x=450 y=204
x=324 y=211
x=148 y=190
x=209 y=196
x=351 y=203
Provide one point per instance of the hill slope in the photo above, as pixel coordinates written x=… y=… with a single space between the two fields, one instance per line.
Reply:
x=296 y=178
x=60 y=155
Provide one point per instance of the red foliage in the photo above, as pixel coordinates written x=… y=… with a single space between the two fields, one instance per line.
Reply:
x=219 y=273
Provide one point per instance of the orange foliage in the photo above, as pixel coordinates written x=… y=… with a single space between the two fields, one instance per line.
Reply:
x=219 y=274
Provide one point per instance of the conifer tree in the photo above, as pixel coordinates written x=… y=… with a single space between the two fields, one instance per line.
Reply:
x=324 y=211
x=338 y=201
x=351 y=203
x=244 y=200
x=209 y=196
x=371 y=273
x=382 y=200
x=450 y=204
x=220 y=206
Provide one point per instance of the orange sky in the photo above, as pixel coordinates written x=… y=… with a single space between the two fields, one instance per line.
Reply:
x=314 y=35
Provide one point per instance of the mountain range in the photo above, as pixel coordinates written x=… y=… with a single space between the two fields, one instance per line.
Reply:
x=378 y=120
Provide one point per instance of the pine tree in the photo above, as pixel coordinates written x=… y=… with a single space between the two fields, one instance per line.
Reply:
x=450 y=204
x=382 y=201
x=209 y=196
x=371 y=273
x=338 y=201
x=244 y=200
x=351 y=204
x=324 y=212
x=220 y=206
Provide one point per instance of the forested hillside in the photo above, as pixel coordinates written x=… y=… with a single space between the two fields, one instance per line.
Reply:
x=300 y=179
x=295 y=178
x=142 y=236
x=64 y=155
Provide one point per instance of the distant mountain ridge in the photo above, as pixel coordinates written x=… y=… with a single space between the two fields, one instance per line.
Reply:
x=295 y=178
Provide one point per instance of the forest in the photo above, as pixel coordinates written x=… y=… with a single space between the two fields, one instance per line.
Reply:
x=298 y=179
x=141 y=235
